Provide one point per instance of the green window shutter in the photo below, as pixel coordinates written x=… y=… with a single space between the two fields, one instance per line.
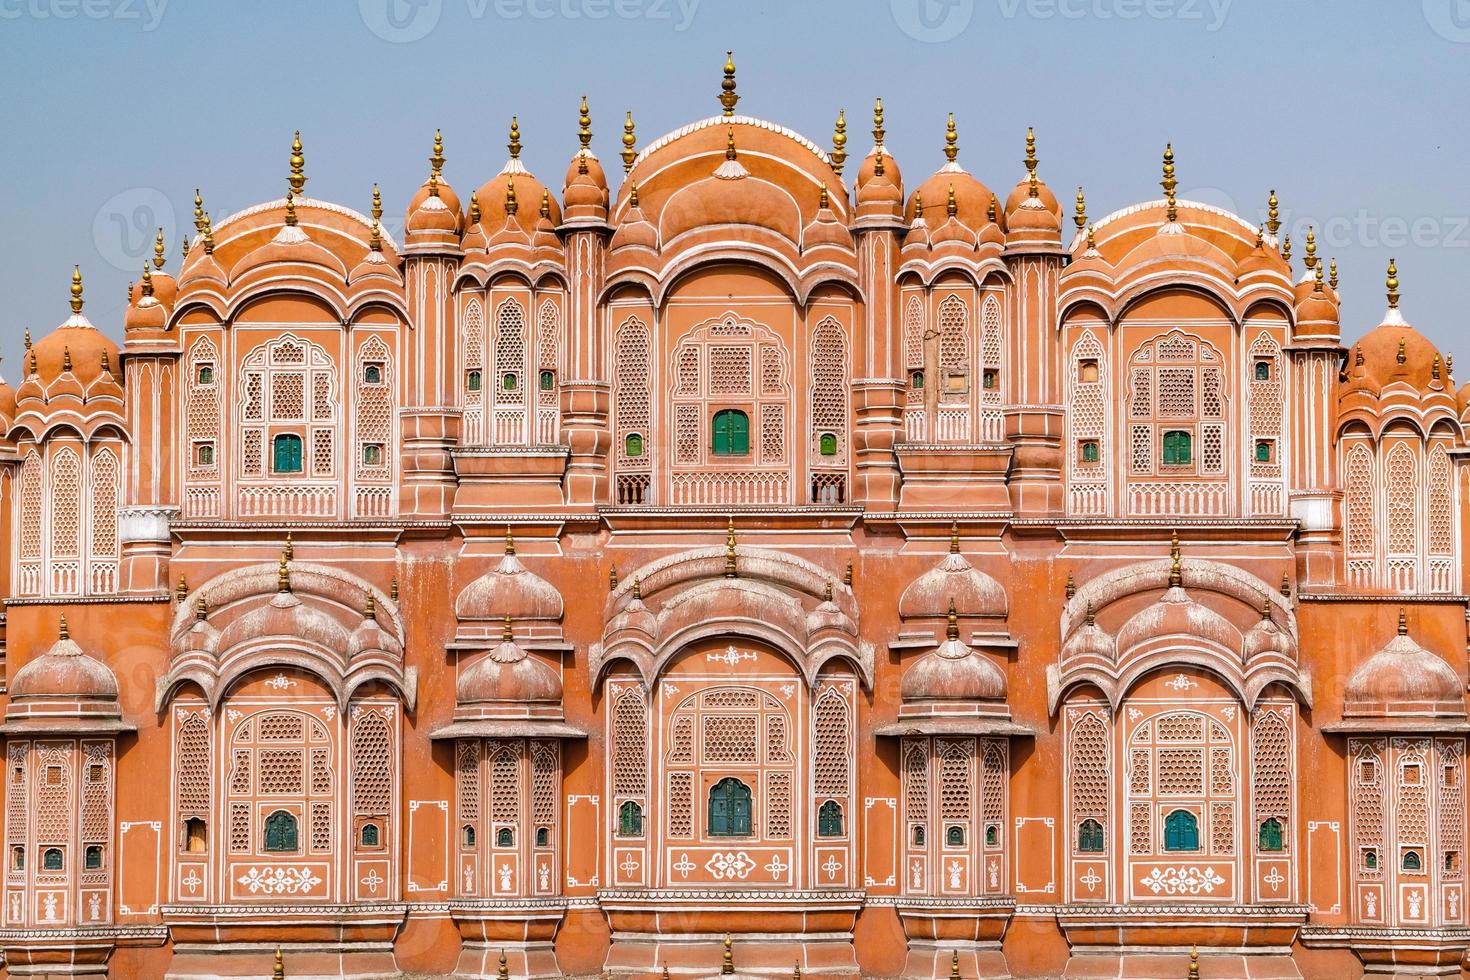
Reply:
x=731 y=433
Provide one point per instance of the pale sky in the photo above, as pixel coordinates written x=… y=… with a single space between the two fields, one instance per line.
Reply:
x=115 y=110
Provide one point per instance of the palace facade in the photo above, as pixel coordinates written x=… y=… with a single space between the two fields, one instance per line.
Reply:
x=880 y=573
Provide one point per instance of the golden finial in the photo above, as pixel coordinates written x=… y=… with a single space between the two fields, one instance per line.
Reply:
x=919 y=204
x=1403 y=354
x=1449 y=364
x=878 y=124
x=827 y=591
x=992 y=210
x=1091 y=237
x=1285 y=585
x=62 y=633
x=436 y=158
x=290 y=548
x=514 y=146
x=1265 y=607
x=728 y=98
x=954 y=537
x=1273 y=213
x=184 y=247
x=1332 y=274
x=878 y=169
x=76 y=289
x=1310 y=259
x=503 y=972
x=376 y=241
x=951 y=141
x=546 y=202
x=633 y=194
x=1031 y=160
x=954 y=964
x=796 y=971
x=1079 y=212
x=181 y=592
x=1317 y=277
x=377 y=211
x=66 y=358
x=584 y=124
x=951 y=206
x=201 y=608
x=666 y=972
x=510 y=541
x=106 y=362
x=159 y=258
x=730 y=153
x=727 y=965
x=638 y=589
x=208 y=235
x=393 y=590
x=1091 y=615
x=730 y=570
x=433 y=185
x=1403 y=622
x=839 y=142
x=1260 y=235
x=847 y=575
x=297 y=180
x=952 y=622
x=147 y=280
x=824 y=201
x=198 y=211
x=506 y=632
x=1392 y=282
x=582 y=160
x=511 y=207
x=475 y=207
x=283 y=575
x=1169 y=183
x=612 y=579
x=1286 y=249
x=1071 y=587
x=279 y=972
x=291 y=208
x=1193 y=963
x=1176 y=566
x=28 y=338
x=630 y=144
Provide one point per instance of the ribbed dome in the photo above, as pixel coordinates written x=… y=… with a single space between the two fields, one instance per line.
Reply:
x=75 y=347
x=1395 y=353
x=731 y=196
x=64 y=671
x=1267 y=638
x=285 y=615
x=509 y=590
x=1091 y=641
x=1404 y=681
x=953 y=672
x=953 y=580
x=635 y=230
x=507 y=675
x=370 y=637
x=634 y=616
x=1176 y=614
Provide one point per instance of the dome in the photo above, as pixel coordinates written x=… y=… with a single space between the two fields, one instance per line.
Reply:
x=1090 y=642
x=508 y=590
x=732 y=195
x=146 y=312
x=1316 y=311
x=165 y=288
x=430 y=213
x=63 y=690
x=1266 y=638
x=1395 y=353
x=825 y=230
x=955 y=583
x=953 y=672
x=285 y=615
x=514 y=192
x=370 y=637
x=202 y=637
x=506 y=674
x=1404 y=683
x=584 y=192
x=1177 y=614
x=827 y=616
x=290 y=245
x=1032 y=211
x=952 y=188
x=635 y=616
x=75 y=347
x=634 y=230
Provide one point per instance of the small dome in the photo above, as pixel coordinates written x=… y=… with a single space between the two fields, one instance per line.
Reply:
x=1266 y=638
x=634 y=230
x=285 y=615
x=64 y=672
x=1177 y=614
x=1395 y=353
x=584 y=192
x=827 y=616
x=1091 y=642
x=202 y=637
x=953 y=581
x=370 y=637
x=634 y=616
x=879 y=186
x=1405 y=681
x=506 y=674
x=509 y=590
x=953 y=672
x=951 y=188
x=825 y=229
x=731 y=196
x=74 y=348
x=1032 y=211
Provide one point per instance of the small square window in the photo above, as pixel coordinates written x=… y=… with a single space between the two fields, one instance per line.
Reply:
x=954 y=836
x=990 y=379
x=372 y=373
x=1370 y=859
x=1087 y=370
x=1265 y=451
x=472 y=381
x=916 y=380
x=1263 y=370
x=509 y=381
x=1089 y=451
x=204 y=454
x=1412 y=774
x=53 y=775
x=505 y=837
x=1178 y=448
x=204 y=374
x=372 y=454
x=92 y=857
x=548 y=380
x=827 y=444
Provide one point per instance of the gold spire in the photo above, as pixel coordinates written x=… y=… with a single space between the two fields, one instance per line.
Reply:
x=1091 y=237
x=1286 y=249
x=824 y=201
x=436 y=158
x=376 y=241
x=393 y=590
x=954 y=964
x=796 y=971
x=1403 y=622
x=76 y=289
x=1332 y=274
x=1392 y=283
x=582 y=160
x=730 y=144
x=633 y=194
x=1071 y=587
x=728 y=98
x=1403 y=354
x=1091 y=615
x=1317 y=277
x=1273 y=213
x=510 y=541
x=1310 y=259
x=208 y=235
x=951 y=141
x=503 y=972
x=630 y=144
x=919 y=204
x=433 y=185
x=184 y=247
x=511 y=207
x=1265 y=607
x=201 y=608
x=66 y=357
x=1260 y=235
x=297 y=180
x=951 y=206
x=1031 y=160
x=992 y=210
x=283 y=575
x=612 y=579
x=638 y=589
x=878 y=169
x=727 y=964
x=475 y=207
x=839 y=142
x=1169 y=183
x=181 y=592
x=1194 y=963
x=107 y=362
x=279 y=970
x=847 y=574
x=370 y=608
x=158 y=251
x=952 y=622
x=1176 y=567
x=514 y=146
x=62 y=633
x=377 y=211
x=1079 y=212
x=827 y=591
x=506 y=632
x=546 y=199
x=290 y=548
x=147 y=280
x=954 y=537
x=730 y=570
x=291 y=208
x=198 y=211
x=584 y=124
x=878 y=124
x=1434 y=370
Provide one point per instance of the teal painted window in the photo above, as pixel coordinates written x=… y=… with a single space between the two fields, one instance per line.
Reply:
x=93 y=857
x=1178 y=448
x=467 y=836
x=829 y=819
x=280 y=832
x=992 y=836
x=916 y=380
x=630 y=819
x=1370 y=859
x=505 y=838
x=827 y=444
x=919 y=836
x=51 y=859
x=204 y=454
x=508 y=381
x=990 y=379
x=372 y=374
x=633 y=445
x=1181 y=831
x=1269 y=838
x=954 y=837
x=18 y=858
x=729 y=809
x=1091 y=452
x=1263 y=370
x=1412 y=861
x=206 y=374
x=371 y=836
x=543 y=837
x=287 y=454
x=1090 y=837
x=731 y=433
x=472 y=381
x=548 y=380
x=1263 y=452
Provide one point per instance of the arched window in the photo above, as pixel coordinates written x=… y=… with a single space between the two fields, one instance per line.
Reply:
x=543 y=837
x=473 y=382
x=630 y=819
x=286 y=454
x=633 y=445
x=372 y=374
x=954 y=836
x=1412 y=861
x=827 y=444
x=992 y=836
x=280 y=832
x=1090 y=837
x=51 y=859
x=204 y=454
x=1181 y=831
x=17 y=858
x=548 y=380
x=504 y=837
x=731 y=433
x=1269 y=838
x=371 y=836
x=1263 y=451
x=467 y=836
x=205 y=374
x=729 y=809
x=93 y=857
x=918 y=836
x=829 y=819
x=916 y=380
x=1178 y=448
x=1370 y=859
x=1091 y=452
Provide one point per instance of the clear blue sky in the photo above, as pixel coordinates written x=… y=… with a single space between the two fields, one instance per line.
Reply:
x=114 y=110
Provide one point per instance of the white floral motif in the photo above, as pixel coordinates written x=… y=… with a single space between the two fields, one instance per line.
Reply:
x=777 y=867
x=918 y=874
x=543 y=875
x=731 y=656
x=630 y=865
x=1182 y=881
x=1091 y=879
x=50 y=902
x=280 y=682
x=1274 y=879
x=233 y=714
x=730 y=865
x=832 y=866
x=1180 y=683
x=954 y=873
x=684 y=865
x=94 y=907
x=1416 y=904
x=505 y=873
x=1372 y=901
x=192 y=881
x=279 y=881
x=372 y=880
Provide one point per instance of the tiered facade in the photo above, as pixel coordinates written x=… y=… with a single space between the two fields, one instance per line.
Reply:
x=880 y=575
